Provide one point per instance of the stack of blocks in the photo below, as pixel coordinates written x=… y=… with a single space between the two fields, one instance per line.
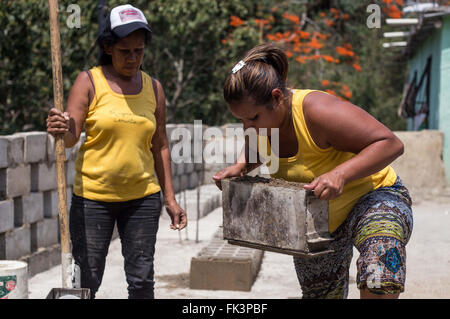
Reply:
x=29 y=229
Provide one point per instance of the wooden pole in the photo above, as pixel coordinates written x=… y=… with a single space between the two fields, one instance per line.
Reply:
x=66 y=256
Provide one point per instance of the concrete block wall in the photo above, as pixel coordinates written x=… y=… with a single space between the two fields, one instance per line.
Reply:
x=29 y=229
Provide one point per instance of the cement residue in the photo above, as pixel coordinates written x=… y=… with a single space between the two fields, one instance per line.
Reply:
x=276 y=182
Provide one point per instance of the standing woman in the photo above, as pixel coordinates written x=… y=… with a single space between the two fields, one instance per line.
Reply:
x=344 y=155
x=123 y=112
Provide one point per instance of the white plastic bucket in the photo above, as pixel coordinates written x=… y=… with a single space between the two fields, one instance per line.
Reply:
x=13 y=279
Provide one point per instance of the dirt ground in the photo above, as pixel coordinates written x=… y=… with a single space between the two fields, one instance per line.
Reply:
x=428 y=263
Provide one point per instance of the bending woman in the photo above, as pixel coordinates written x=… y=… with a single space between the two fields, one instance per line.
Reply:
x=344 y=154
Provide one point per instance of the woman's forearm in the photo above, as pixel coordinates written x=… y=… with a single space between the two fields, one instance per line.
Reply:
x=371 y=159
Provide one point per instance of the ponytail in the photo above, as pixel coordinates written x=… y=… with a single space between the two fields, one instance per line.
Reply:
x=262 y=69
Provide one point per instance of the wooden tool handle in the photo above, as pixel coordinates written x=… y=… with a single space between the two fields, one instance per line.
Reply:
x=60 y=148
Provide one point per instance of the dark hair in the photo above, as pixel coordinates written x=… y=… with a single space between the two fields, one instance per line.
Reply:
x=266 y=67
x=108 y=37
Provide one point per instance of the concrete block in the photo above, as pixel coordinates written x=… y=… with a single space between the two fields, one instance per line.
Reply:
x=184 y=181
x=42 y=260
x=188 y=168
x=169 y=129
x=51 y=150
x=43 y=177
x=193 y=180
x=6 y=216
x=3 y=153
x=176 y=184
x=35 y=146
x=13 y=145
x=179 y=168
x=15 y=243
x=15 y=181
x=50 y=204
x=70 y=172
x=44 y=233
x=221 y=266
x=275 y=215
x=28 y=208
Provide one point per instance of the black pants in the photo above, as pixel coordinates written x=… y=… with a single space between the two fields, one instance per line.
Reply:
x=91 y=227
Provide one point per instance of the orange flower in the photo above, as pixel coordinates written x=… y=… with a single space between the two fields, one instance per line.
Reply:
x=314 y=44
x=300 y=60
x=262 y=21
x=357 y=67
x=343 y=51
x=329 y=22
x=288 y=54
x=236 y=21
x=348 y=94
x=224 y=41
x=304 y=34
x=325 y=82
x=328 y=58
x=322 y=14
x=291 y=17
x=331 y=92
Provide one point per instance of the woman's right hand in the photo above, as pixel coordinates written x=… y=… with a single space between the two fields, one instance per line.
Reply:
x=230 y=171
x=57 y=122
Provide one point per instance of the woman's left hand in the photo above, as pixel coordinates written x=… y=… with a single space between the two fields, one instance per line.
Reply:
x=177 y=215
x=327 y=186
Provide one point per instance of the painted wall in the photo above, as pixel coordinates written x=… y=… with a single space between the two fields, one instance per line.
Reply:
x=431 y=47
x=438 y=46
x=444 y=109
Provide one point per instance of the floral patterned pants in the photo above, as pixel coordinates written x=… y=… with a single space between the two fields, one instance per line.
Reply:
x=379 y=226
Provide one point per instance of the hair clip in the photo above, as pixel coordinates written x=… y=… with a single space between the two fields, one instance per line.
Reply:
x=238 y=66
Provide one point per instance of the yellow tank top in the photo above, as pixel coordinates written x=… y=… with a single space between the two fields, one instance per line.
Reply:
x=115 y=163
x=312 y=161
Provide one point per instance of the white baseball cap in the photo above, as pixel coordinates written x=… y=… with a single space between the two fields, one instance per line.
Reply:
x=126 y=19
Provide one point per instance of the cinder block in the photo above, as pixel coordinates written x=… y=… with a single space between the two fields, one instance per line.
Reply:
x=70 y=172
x=14 y=150
x=184 y=181
x=188 y=168
x=28 y=208
x=51 y=150
x=169 y=129
x=3 y=152
x=6 y=216
x=15 y=243
x=42 y=260
x=43 y=177
x=275 y=215
x=176 y=184
x=44 y=233
x=221 y=266
x=50 y=204
x=193 y=180
x=35 y=146
x=15 y=181
x=179 y=168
